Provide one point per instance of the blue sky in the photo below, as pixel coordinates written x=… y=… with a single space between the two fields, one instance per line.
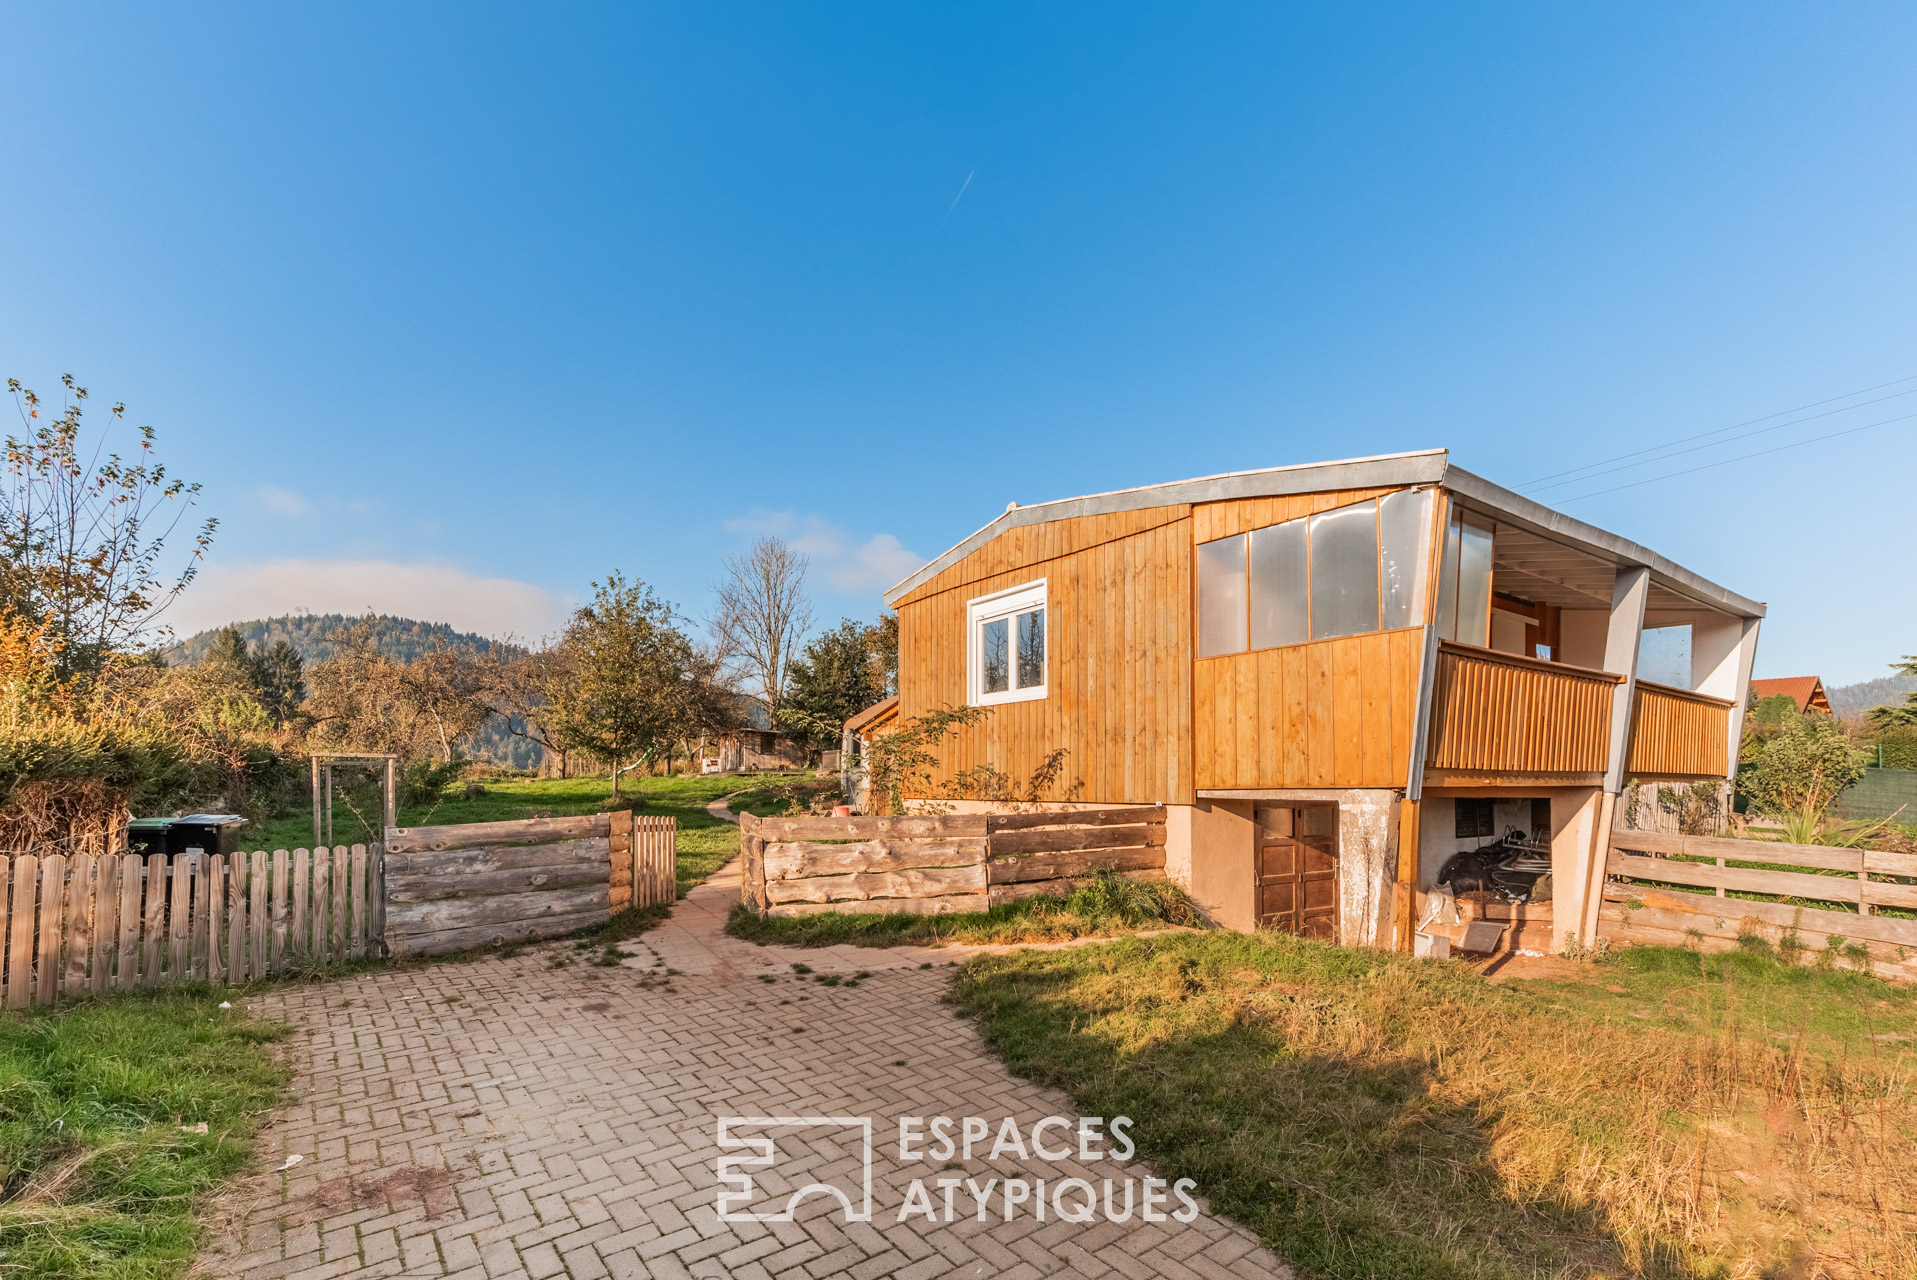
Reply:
x=466 y=305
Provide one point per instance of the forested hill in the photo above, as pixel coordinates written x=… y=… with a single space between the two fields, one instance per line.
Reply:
x=1853 y=699
x=401 y=639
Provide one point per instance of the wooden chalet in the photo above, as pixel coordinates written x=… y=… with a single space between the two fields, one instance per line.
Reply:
x=1806 y=691
x=1334 y=677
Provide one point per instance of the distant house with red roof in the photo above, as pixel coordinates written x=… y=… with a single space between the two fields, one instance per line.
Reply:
x=1806 y=691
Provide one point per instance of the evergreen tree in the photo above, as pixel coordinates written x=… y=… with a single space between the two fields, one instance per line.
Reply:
x=839 y=674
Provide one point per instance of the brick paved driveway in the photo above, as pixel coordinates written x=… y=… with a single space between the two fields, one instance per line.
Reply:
x=510 y=1118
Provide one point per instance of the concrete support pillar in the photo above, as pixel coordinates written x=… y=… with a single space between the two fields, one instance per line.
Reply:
x=1621 y=638
x=1367 y=866
x=1740 y=691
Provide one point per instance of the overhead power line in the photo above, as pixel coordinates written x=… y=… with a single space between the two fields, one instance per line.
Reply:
x=1712 y=444
x=1725 y=462
x=1541 y=481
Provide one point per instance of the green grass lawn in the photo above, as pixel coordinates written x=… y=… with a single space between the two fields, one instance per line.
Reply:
x=100 y=1175
x=1369 y=1115
x=706 y=843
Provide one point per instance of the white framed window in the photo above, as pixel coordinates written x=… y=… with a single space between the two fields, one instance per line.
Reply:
x=1005 y=645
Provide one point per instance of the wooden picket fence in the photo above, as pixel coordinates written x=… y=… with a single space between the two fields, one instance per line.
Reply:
x=113 y=922
x=644 y=860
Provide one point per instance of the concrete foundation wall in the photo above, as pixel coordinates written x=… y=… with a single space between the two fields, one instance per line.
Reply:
x=1213 y=844
x=1211 y=850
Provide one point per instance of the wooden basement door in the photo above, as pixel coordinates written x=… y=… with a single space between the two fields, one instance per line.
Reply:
x=1297 y=869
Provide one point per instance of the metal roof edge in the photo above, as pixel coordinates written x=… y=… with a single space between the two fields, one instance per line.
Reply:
x=1422 y=466
x=1549 y=523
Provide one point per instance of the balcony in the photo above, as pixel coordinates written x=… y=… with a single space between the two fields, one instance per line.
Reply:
x=1678 y=734
x=1497 y=714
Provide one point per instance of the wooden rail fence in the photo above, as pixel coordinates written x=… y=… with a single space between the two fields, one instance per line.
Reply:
x=1498 y=712
x=1674 y=889
x=940 y=864
x=87 y=923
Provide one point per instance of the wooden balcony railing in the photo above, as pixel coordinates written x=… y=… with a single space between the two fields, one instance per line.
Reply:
x=1677 y=733
x=1498 y=713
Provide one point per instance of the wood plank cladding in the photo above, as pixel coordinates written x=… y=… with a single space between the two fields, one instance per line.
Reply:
x=1331 y=713
x=1677 y=733
x=1118 y=666
x=1038 y=543
x=1212 y=520
x=1501 y=713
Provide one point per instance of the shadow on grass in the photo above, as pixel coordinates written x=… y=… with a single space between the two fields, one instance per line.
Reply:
x=1372 y=1116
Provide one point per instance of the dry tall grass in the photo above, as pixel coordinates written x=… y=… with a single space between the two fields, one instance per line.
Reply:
x=1376 y=1116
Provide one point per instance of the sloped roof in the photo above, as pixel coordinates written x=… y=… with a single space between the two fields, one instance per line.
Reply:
x=1392 y=470
x=877 y=713
x=1805 y=691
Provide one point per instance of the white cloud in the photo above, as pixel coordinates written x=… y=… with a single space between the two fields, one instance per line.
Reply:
x=845 y=565
x=465 y=601
x=281 y=501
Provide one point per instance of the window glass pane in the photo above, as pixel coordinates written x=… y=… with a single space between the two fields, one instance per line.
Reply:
x=1448 y=580
x=1344 y=571
x=1221 y=596
x=1031 y=649
x=1474 y=584
x=995 y=656
x=1278 y=585
x=1404 y=526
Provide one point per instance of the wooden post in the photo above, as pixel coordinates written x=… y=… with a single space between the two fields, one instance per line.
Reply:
x=26 y=877
x=316 y=800
x=276 y=958
x=392 y=795
x=153 y=921
x=132 y=886
x=53 y=893
x=79 y=923
x=236 y=919
x=376 y=890
x=342 y=890
x=317 y=946
x=359 y=901
x=257 y=945
x=206 y=938
x=178 y=905
x=1407 y=874
x=106 y=919
x=329 y=802
x=296 y=937
x=215 y=917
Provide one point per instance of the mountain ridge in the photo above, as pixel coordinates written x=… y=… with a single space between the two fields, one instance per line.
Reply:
x=310 y=635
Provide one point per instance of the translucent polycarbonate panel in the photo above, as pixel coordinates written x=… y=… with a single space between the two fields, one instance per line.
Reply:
x=1404 y=536
x=1279 y=601
x=1448 y=579
x=1031 y=649
x=1344 y=571
x=1664 y=655
x=995 y=656
x=1474 y=583
x=1221 y=596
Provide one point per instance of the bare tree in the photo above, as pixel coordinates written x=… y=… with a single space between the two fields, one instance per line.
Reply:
x=763 y=615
